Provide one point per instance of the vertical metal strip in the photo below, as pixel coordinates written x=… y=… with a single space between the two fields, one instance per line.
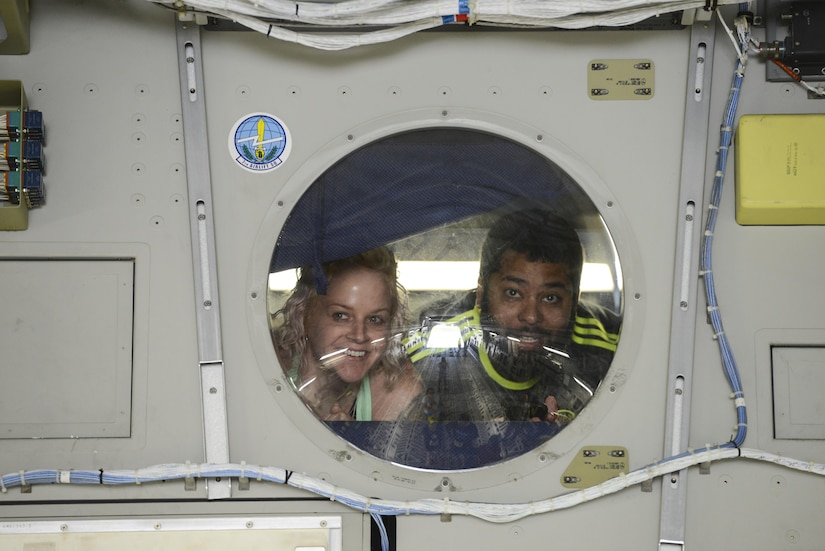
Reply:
x=215 y=426
x=686 y=280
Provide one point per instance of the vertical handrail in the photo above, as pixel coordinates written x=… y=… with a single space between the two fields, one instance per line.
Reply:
x=685 y=302
x=196 y=147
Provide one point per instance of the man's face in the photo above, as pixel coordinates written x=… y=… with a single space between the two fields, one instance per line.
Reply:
x=531 y=303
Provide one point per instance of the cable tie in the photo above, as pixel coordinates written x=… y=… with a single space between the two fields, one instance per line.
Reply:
x=65 y=477
x=188 y=472
x=407 y=512
x=719 y=334
x=719 y=173
x=709 y=450
x=811 y=465
x=446 y=506
x=708 y=233
x=287 y=477
x=367 y=505
x=269 y=30
x=712 y=308
x=100 y=477
x=243 y=469
x=332 y=495
x=712 y=206
x=137 y=477
x=623 y=478
x=22 y=478
x=739 y=402
x=3 y=485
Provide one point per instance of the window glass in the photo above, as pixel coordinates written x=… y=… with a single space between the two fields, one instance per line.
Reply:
x=445 y=299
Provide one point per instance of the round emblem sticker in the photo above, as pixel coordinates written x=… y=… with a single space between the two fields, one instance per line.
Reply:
x=259 y=142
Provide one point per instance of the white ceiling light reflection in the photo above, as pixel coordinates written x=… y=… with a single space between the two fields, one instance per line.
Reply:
x=445 y=336
x=438 y=276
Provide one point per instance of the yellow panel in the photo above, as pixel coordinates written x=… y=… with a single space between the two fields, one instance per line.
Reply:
x=594 y=465
x=15 y=19
x=779 y=168
x=620 y=79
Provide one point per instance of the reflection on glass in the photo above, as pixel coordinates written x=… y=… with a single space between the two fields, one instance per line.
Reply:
x=507 y=326
x=422 y=275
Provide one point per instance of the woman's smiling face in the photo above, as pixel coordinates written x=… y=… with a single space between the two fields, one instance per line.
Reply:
x=347 y=329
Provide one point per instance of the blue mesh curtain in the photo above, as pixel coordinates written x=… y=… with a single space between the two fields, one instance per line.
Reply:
x=412 y=182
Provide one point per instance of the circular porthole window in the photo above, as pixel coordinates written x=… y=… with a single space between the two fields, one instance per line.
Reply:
x=445 y=299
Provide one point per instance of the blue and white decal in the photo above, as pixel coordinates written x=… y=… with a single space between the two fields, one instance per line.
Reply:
x=259 y=142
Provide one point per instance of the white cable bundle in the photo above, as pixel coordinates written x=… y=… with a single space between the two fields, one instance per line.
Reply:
x=335 y=41
x=405 y=17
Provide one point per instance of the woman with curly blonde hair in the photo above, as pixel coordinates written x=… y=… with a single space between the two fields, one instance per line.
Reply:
x=341 y=349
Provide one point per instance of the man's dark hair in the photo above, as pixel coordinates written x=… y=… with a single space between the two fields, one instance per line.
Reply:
x=538 y=234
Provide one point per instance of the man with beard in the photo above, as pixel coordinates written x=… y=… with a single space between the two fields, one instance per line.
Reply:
x=529 y=349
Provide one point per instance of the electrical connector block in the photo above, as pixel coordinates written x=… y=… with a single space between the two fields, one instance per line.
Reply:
x=26 y=125
x=28 y=183
x=28 y=155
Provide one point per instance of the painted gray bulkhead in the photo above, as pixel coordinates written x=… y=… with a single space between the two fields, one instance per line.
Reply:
x=106 y=76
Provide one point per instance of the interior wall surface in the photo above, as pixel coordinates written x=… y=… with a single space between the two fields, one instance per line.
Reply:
x=106 y=78
x=767 y=286
x=326 y=123
x=116 y=180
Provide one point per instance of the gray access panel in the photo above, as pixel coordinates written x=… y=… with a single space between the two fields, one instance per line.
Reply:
x=67 y=348
x=798 y=374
